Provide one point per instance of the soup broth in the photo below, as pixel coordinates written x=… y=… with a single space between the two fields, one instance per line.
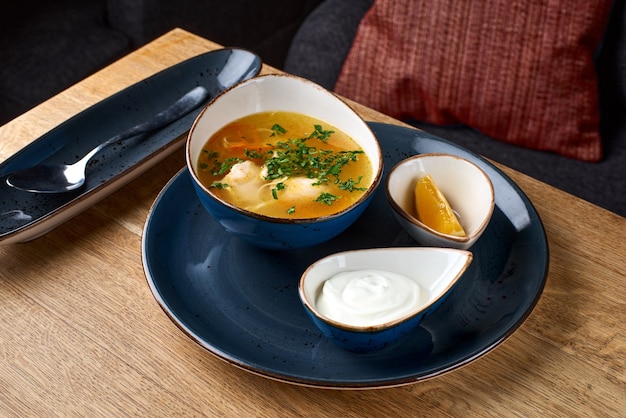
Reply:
x=284 y=165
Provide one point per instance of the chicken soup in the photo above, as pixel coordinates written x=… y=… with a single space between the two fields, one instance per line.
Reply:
x=285 y=165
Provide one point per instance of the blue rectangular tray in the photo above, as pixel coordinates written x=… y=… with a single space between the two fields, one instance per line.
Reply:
x=25 y=216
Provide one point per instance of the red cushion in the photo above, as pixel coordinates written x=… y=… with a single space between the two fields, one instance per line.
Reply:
x=518 y=71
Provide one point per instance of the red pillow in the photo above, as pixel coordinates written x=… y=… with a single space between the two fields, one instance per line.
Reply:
x=518 y=71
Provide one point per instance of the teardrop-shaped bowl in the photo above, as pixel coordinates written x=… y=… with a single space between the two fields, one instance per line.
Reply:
x=434 y=270
x=466 y=186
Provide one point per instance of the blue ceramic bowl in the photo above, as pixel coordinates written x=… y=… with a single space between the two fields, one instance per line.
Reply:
x=435 y=270
x=276 y=92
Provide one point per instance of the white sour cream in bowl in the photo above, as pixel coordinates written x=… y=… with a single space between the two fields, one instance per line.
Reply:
x=369 y=297
x=364 y=300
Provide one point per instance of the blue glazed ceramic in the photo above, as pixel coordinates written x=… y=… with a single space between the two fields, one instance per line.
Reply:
x=435 y=270
x=278 y=234
x=25 y=216
x=281 y=92
x=240 y=303
x=365 y=341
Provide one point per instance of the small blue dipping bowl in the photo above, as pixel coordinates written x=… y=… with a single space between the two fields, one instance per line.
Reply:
x=435 y=270
x=280 y=92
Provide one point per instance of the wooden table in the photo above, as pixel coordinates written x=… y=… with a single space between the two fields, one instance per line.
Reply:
x=81 y=334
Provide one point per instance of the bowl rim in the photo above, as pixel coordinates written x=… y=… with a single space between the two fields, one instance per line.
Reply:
x=415 y=221
x=310 y=306
x=376 y=179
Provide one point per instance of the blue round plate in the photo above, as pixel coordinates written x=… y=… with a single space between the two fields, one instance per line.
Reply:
x=241 y=303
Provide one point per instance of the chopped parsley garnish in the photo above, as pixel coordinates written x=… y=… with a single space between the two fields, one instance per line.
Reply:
x=218 y=185
x=209 y=156
x=320 y=133
x=297 y=157
x=291 y=210
x=254 y=154
x=225 y=166
x=327 y=198
x=279 y=186
x=349 y=185
x=278 y=130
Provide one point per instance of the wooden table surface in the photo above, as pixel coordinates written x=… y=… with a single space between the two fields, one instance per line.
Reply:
x=82 y=335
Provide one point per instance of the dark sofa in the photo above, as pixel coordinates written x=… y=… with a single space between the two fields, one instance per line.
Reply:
x=47 y=46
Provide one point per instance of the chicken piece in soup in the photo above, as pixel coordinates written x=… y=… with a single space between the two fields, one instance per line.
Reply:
x=285 y=165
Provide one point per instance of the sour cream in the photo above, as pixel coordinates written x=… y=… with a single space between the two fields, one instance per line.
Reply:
x=369 y=297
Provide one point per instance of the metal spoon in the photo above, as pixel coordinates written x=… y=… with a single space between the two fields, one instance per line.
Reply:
x=58 y=178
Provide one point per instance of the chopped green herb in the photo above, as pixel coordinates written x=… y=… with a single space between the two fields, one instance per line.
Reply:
x=279 y=186
x=253 y=153
x=278 y=130
x=349 y=185
x=210 y=154
x=298 y=157
x=320 y=133
x=291 y=210
x=327 y=198
x=225 y=166
x=218 y=185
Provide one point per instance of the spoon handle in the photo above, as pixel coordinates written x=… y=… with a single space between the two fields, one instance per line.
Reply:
x=176 y=110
